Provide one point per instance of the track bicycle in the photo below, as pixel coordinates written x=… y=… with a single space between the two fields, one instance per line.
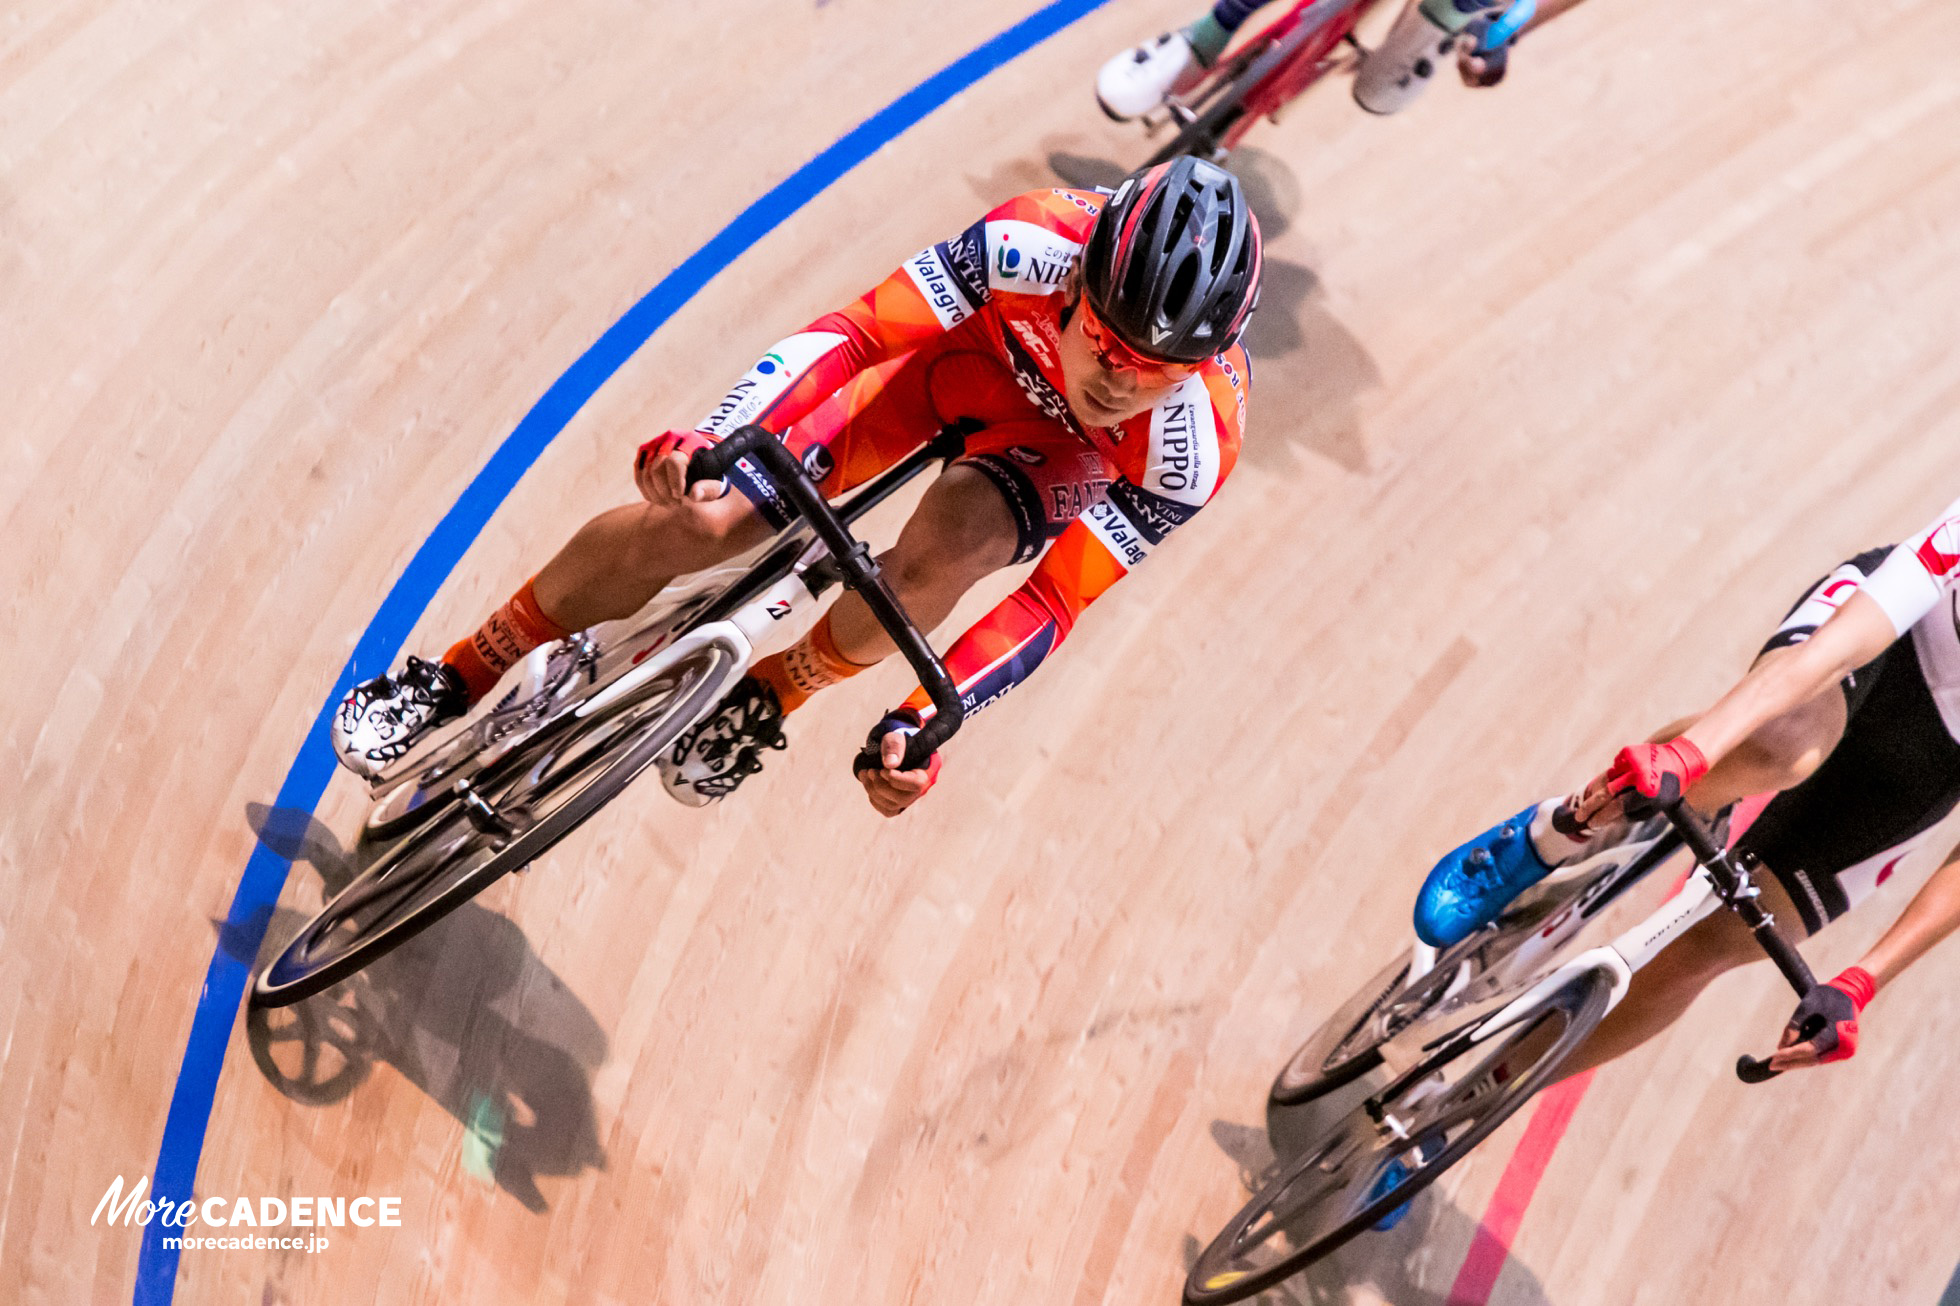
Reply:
x=1443 y=1045
x=496 y=790
x=1310 y=40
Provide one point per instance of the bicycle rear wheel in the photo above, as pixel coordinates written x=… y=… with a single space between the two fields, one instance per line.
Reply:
x=511 y=813
x=1205 y=135
x=1424 y=1122
x=1348 y=1043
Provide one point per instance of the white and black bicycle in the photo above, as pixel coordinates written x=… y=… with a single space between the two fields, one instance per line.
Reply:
x=496 y=790
x=1442 y=1046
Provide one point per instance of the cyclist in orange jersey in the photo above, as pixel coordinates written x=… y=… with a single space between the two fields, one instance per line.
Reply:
x=1085 y=348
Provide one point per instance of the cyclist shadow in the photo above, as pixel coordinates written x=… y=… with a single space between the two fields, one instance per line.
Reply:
x=466 y=1012
x=1299 y=348
x=1402 y=1265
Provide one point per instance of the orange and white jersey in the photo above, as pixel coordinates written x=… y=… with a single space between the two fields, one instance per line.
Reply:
x=998 y=288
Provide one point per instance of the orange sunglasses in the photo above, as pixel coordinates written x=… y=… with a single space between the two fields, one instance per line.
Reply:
x=1112 y=355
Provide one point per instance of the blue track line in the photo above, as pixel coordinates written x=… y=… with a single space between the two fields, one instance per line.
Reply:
x=265 y=873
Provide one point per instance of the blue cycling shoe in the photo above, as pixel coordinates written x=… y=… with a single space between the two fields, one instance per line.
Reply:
x=1391 y=1179
x=1472 y=886
x=1394 y=1177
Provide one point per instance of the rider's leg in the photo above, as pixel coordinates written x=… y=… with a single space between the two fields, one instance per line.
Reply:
x=622 y=558
x=608 y=570
x=984 y=513
x=1780 y=755
x=1470 y=886
x=1824 y=845
x=961 y=531
x=1211 y=34
x=1668 y=985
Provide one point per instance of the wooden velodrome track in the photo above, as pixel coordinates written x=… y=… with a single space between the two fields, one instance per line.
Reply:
x=1564 y=391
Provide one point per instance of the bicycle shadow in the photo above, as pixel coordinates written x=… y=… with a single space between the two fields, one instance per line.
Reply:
x=1402 y=1266
x=466 y=1012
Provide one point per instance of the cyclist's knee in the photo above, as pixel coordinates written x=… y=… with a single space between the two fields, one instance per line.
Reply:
x=961 y=530
x=1785 y=750
x=1697 y=959
x=670 y=539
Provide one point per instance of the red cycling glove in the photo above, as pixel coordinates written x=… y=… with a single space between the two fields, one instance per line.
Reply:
x=1661 y=772
x=660 y=446
x=1828 y=1015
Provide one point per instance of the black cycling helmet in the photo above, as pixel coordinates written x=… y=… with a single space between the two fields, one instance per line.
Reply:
x=1173 y=263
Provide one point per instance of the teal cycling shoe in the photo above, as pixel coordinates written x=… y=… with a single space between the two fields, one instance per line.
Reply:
x=1472 y=886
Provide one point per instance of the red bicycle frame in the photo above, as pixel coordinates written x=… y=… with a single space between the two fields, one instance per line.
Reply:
x=1305 y=66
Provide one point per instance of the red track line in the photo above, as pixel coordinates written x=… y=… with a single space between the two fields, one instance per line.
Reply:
x=1492 y=1245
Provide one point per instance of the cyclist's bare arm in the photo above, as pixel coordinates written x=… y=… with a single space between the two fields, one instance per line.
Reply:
x=1855 y=634
x=1902 y=590
x=1933 y=914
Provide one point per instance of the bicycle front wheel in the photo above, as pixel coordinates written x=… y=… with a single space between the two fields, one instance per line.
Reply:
x=510 y=814
x=1393 y=1144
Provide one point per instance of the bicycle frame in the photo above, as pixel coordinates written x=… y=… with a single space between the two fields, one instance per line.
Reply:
x=1468 y=1009
x=1270 y=70
x=1717 y=881
x=747 y=606
x=1303 y=38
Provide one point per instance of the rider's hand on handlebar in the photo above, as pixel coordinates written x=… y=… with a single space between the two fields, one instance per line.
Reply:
x=1642 y=777
x=660 y=470
x=890 y=790
x=1824 y=1027
x=1483 y=49
x=1479 y=67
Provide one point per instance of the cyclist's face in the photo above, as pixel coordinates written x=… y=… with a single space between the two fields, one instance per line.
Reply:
x=1104 y=382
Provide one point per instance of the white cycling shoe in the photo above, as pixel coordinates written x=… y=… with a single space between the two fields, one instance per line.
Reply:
x=1136 y=81
x=381 y=719
x=724 y=748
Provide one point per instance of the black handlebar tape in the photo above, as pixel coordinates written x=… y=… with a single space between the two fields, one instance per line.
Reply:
x=854 y=560
x=710 y=464
x=1751 y=1071
x=917 y=754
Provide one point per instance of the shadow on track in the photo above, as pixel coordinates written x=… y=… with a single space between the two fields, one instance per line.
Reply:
x=1413 y=1264
x=466 y=1012
x=1300 y=350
